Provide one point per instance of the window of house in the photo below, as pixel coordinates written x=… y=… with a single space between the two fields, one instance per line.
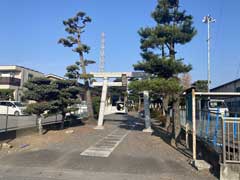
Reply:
x=30 y=76
x=3 y=104
x=238 y=89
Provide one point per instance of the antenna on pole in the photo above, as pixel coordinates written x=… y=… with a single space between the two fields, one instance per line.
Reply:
x=102 y=53
x=208 y=20
x=238 y=71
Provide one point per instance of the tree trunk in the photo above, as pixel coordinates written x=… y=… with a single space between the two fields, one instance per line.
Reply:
x=163 y=52
x=40 y=128
x=139 y=103
x=165 y=110
x=62 y=122
x=172 y=50
x=88 y=93
x=89 y=104
x=176 y=124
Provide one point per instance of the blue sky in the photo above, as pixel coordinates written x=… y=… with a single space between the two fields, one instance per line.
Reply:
x=30 y=30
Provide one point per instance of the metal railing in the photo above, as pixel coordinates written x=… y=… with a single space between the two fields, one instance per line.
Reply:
x=10 y=81
x=11 y=122
x=183 y=117
x=220 y=132
x=209 y=128
x=231 y=139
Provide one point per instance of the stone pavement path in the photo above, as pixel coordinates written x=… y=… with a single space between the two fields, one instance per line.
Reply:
x=138 y=156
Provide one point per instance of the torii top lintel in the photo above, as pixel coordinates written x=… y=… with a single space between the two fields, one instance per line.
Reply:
x=117 y=74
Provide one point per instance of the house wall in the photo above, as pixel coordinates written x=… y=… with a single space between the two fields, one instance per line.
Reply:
x=233 y=103
x=24 y=74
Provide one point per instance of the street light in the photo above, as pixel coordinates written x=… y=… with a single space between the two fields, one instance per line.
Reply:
x=208 y=19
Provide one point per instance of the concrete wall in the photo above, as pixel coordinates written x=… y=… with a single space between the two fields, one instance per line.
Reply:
x=230 y=172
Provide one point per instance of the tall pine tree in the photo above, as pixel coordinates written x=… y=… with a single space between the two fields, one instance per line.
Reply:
x=158 y=45
x=75 y=27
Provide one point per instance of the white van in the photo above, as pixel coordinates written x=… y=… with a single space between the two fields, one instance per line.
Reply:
x=15 y=108
x=217 y=104
x=120 y=107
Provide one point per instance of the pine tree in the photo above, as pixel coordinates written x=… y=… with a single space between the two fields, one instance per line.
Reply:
x=201 y=85
x=68 y=91
x=45 y=94
x=158 y=44
x=75 y=27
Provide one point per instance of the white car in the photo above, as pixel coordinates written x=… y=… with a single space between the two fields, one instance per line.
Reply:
x=15 y=108
x=81 y=110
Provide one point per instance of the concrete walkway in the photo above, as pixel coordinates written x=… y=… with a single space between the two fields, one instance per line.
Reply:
x=138 y=156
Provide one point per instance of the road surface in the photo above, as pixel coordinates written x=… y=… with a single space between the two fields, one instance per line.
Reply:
x=119 y=152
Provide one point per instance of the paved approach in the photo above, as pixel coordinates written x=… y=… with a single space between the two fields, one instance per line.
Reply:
x=135 y=156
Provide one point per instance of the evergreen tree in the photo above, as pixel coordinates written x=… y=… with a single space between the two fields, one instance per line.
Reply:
x=75 y=26
x=6 y=94
x=68 y=91
x=201 y=85
x=158 y=44
x=45 y=94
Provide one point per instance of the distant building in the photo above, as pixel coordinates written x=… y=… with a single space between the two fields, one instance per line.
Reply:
x=54 y=77
x=233 y=103
x=13 y=77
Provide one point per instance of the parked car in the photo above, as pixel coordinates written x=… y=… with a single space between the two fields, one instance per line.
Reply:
x=15 y=108
x=80 y=111
x=215 y=105
x=141 y=114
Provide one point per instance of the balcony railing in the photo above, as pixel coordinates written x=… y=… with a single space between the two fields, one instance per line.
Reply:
x=10 y=81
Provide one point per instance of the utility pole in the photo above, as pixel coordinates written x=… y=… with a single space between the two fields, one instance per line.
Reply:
x=102 y=53
x=208 y=19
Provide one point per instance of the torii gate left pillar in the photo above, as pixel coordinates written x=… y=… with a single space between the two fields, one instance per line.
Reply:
x=102 y=104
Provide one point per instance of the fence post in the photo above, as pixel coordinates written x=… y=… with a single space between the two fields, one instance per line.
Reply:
x=208 y=123
x=186 y=138
x=200 y=117
x=194 y=125
x=235 y=127
x=7 y=120
x=223 y=140
x=216 y=129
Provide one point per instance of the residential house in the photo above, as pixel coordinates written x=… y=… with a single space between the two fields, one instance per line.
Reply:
x=233 y=103
x=13 y=77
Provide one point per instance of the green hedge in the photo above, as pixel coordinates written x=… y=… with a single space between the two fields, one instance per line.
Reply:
x=6 y=94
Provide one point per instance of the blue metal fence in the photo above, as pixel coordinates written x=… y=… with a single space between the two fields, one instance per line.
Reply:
x=209 y=126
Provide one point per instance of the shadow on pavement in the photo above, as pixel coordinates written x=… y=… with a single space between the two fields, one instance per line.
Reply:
x=160 y=132
x=131 y=122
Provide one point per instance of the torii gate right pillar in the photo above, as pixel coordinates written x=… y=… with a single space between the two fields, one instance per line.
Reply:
x=147 y=112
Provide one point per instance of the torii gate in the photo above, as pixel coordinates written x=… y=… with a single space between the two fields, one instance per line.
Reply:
x=105 y=84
